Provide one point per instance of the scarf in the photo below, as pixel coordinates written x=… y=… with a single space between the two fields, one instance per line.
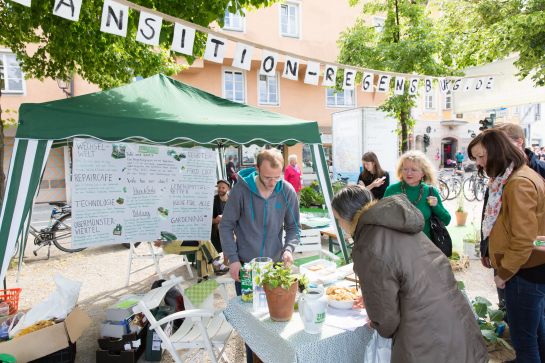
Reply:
x=493 y=206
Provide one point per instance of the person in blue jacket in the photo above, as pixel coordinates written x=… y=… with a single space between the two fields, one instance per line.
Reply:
x=260 y=207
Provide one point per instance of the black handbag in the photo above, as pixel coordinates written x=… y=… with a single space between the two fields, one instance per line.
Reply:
x=439 y=233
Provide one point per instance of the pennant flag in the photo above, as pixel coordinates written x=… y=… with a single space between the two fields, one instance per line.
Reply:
x=291 y=68
x=399 y=88
x=115 y=17
x=183 y=39
x=215 y=49
x=149 y=28
x=413 y=86
x=479 y=83
x=443 y=85
x=490 y=84
x=468 y=84
x=243 y=56
x=23 y=2
x=383 y=84
x=330 y=76
x=312 y=75
x=428 y=85
x=367 y=82
x=456 y=85
x=349 y=79
x=268 y=63
x=68 y=9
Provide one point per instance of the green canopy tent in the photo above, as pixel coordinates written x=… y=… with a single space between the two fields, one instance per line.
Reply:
x=158 y=110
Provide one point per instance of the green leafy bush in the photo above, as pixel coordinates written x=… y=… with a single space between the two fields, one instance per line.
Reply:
x=490 y=321
x=311 y=196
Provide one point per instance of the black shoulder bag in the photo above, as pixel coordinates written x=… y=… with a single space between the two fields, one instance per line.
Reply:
x=438 y=231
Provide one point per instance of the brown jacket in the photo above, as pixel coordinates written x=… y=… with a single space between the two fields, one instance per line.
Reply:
x=409 y=289
x=520 y=221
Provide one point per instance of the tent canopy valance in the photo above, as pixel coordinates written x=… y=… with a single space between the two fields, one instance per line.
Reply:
x=160 y=109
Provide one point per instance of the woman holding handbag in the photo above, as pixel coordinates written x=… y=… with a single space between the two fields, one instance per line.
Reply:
x=417 y=177
x=514 y=218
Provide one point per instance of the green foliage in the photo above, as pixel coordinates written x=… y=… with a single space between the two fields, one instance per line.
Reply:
x=408 y=43
x=311 y=196
x=8 y=118
x=479 y=32
x=65 y=47
x=490 y=320
x=336 y=186
x=277 y=274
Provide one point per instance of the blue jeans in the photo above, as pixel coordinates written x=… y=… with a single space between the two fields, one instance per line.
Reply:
x=249 y=353
x=525 y=303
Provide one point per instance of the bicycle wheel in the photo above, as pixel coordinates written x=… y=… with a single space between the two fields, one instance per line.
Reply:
x=469 y=189
x=454 y=187
x=62 y=234
x=480 y=189
x=443 y=190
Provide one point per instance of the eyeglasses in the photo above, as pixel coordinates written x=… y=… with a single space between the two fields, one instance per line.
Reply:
x=271 y=178
x=411 y=170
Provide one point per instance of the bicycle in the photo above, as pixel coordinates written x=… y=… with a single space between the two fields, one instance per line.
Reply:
x=59 y=231
x=475 y=187
x=453 y=181
x=443 y=190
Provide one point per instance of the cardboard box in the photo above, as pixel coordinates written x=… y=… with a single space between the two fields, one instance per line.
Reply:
x=121 y=310
x=48 y=340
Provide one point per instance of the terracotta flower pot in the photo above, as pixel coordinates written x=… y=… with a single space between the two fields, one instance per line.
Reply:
x=461 y=218
x=281 y=301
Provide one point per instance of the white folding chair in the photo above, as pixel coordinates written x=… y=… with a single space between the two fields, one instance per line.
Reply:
x=155 y=255
x=203 y=330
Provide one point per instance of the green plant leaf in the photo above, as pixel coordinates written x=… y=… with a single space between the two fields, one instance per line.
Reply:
x=496 y=315
x=489 y=335
x=480 y=299
x=480 y=309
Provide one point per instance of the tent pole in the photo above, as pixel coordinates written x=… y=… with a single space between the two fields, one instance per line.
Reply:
x=320 y=166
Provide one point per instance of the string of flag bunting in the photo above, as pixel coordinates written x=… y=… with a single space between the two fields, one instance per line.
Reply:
x=114 y=20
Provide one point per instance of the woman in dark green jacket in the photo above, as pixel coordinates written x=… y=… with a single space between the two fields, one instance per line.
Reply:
x=417 y=177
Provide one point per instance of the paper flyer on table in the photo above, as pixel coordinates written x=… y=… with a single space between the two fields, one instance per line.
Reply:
x=347 y=319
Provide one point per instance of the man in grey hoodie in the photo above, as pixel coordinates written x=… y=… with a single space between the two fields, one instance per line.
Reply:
x=260 y=206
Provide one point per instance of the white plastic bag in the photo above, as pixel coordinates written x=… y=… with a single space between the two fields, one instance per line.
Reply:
x=379 y=349
x=57 y=306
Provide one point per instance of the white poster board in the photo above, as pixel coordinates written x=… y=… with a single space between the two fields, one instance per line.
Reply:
x=347 y=144
x=126 y=192
x=358 y=131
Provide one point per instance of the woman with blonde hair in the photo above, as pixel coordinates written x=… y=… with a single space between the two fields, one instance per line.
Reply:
x=417 y=178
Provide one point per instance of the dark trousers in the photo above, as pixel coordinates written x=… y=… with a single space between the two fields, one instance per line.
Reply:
x=249 y=353
x=525 y=303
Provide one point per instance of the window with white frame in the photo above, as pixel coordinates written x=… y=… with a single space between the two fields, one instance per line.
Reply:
x=268 y=90
x=343 y=98
x=448 y=100
x=233 y=21
x=428 y=101
x=233 y=86
x=289 y=20
x=378 y=23
x=11 y=76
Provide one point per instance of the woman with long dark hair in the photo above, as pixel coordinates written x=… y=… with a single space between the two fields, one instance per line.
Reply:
x=514 y=217
x=373 y=177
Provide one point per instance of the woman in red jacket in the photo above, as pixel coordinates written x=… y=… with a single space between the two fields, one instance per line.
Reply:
x=292 y=174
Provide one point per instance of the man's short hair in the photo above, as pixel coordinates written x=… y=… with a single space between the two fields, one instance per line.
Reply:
x=514 y=132
x=273 y=156
x=224 y=182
